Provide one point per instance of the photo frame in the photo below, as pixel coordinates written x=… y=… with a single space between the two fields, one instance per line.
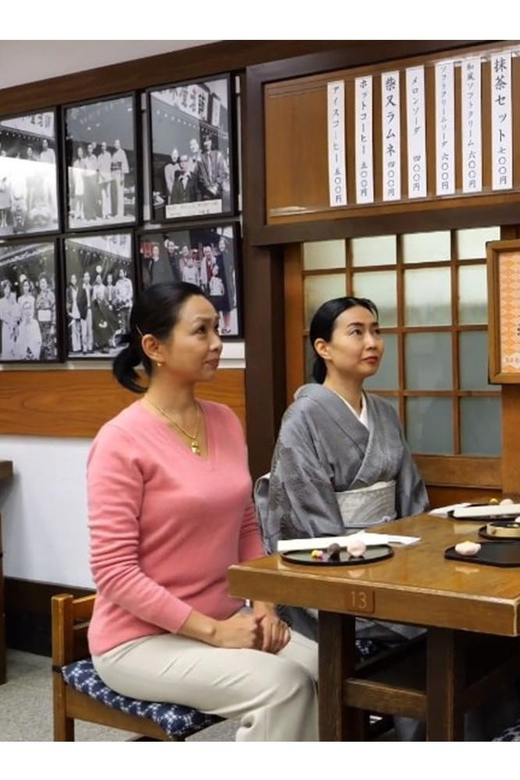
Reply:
x=207 y=256
x=101 y=163
x=191 y=150
x=29 y=202
x=30 y=311
x=503 y=266
x=99 y=287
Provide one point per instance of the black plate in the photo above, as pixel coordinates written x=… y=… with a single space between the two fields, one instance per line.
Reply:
x=481 y=518
x=501 y=524
x=377 y=552
x=490 y=554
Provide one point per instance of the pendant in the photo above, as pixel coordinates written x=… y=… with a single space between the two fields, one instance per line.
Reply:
x=194 y=446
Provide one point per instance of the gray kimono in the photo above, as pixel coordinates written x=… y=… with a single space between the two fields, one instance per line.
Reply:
x=323 y=449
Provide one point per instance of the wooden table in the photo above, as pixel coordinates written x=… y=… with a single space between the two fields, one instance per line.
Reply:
x=6 y=472
x=417 y=586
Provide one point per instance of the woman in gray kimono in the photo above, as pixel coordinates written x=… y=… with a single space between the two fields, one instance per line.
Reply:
x=341 y=460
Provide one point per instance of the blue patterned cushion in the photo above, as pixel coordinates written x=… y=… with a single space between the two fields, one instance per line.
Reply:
x=511 y=734
x=174 y=719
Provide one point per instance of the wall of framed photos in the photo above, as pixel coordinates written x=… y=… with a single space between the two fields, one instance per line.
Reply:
x=76 y=216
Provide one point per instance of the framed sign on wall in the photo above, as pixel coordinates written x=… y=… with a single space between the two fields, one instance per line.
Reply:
x=503 y=259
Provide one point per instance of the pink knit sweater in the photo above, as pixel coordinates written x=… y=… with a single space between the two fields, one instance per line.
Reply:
x=165 y=524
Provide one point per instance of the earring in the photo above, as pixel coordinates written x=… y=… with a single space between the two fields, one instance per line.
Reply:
x=159 y=365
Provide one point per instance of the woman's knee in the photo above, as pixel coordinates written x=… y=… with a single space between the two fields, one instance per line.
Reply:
x=291 y=680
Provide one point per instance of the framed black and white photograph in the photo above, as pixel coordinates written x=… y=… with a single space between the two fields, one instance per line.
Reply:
x=190 y=131
x=100 y=161
x=207 y=257
x=99 y=292
x=28 y=174
x=29 y=309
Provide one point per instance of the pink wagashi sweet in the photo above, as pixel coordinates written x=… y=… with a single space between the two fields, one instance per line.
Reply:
x=356 y=547
x=467 y=548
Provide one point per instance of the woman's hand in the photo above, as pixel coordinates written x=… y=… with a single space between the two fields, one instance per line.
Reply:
x=275 y=633
x=238 y=631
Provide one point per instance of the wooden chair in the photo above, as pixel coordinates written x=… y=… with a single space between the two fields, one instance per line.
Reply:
x=80 y=694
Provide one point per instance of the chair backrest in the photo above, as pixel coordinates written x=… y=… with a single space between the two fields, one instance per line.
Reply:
x=70 y=620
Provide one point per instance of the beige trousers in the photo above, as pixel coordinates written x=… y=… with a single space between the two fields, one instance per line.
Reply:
x=273 y=697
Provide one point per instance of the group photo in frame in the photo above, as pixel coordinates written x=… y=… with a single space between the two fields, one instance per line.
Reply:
x=29 y=305
x=100 y=162
x=191 y=150
x=99 y=292
x=205 y=256
x=28 y=174
x=503 y=267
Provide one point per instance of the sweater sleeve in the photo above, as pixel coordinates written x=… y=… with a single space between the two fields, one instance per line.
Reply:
x=250 y=545
x=250 y=541
x=115 y=489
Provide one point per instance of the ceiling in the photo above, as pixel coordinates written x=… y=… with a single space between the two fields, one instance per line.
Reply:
x=24 y=61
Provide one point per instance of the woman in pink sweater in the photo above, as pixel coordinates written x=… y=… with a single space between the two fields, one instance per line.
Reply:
x=170 y=510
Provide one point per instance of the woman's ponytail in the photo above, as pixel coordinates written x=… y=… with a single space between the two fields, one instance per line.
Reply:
x=125 y=363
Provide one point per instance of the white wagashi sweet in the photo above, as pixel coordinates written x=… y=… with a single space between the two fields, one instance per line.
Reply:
x=467 y=548
x=517 y=519
x=356 y=547
x=506 y=501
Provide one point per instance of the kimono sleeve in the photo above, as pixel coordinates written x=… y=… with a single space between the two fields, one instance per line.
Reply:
x=300 y=501
x=411 y=495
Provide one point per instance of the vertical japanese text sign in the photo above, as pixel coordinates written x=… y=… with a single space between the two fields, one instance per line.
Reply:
x=501 y=124
x=336 y=143
x=416 y=132
x=364 y=141
x=391 y=140
x=471 y=125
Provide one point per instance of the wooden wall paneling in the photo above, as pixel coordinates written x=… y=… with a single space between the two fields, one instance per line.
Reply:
x=464 y=471
x=446 y=496
x=485 y=75
x=265 y=353
x=289 y=204
x=298 y=157
x=350 y=55
x=294 y=320
x=510 y=439
x=77 y=403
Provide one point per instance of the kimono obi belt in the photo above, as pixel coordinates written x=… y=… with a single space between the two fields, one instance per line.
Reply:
x=368 y=505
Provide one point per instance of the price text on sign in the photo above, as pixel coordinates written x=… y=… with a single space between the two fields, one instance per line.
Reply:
x=359 y=600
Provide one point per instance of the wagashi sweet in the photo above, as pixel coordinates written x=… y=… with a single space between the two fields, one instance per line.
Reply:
x=356 y=547
x=467 y=548
x=333 y=551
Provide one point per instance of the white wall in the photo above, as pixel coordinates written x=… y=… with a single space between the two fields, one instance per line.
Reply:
x=44 y=507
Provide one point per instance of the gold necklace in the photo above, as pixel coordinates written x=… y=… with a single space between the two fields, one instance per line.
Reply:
x=194 y=444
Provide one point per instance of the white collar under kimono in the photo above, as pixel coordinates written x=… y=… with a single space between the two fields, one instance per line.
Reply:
x=363 y=416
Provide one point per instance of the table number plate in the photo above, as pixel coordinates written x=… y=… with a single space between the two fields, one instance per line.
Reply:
x=359 y=600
